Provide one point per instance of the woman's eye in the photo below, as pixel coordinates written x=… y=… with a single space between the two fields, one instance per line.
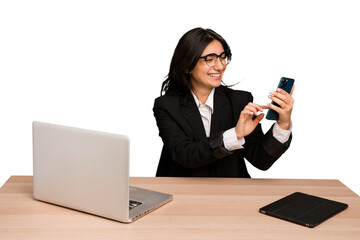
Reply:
x=210 y=59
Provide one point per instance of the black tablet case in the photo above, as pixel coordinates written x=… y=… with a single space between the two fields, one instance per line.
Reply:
x=303 y=209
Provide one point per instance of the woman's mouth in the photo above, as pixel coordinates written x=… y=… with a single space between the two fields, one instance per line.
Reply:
x=215 y=76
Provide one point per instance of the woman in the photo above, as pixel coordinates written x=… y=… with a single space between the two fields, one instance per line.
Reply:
x=207 y=128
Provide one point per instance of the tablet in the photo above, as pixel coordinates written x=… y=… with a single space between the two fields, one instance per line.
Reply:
x=306 y=210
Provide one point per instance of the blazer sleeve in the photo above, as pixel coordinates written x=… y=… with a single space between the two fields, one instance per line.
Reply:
x=180 y=142
x=263 y=150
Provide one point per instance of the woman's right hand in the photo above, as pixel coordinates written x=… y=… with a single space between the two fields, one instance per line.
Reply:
x=246 y=124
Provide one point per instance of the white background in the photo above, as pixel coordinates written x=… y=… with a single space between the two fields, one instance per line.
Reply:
x=99 y=65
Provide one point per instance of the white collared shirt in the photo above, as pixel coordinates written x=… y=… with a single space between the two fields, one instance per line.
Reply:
x=206 y=110
x=231 y=142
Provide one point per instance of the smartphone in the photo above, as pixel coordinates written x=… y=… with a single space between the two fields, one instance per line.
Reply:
x=286 y=84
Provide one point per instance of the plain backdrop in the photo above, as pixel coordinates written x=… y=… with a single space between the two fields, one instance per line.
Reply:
x=99 y=64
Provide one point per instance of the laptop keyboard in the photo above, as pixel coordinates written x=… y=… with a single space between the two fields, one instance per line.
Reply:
x=134 y=204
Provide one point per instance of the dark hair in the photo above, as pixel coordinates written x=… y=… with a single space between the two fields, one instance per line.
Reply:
x=186 y=55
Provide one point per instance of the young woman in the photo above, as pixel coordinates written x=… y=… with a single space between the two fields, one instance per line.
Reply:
x=207 y=128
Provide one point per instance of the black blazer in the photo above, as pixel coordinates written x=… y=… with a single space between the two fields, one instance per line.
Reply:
x=187 y=152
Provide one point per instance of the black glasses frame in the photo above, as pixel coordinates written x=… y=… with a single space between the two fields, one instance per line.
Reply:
x=222 y=56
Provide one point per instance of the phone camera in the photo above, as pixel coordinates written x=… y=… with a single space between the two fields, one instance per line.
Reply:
x=284 y=83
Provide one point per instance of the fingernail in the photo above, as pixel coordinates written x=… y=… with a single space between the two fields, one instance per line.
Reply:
x=272 y=92
x=278 y=90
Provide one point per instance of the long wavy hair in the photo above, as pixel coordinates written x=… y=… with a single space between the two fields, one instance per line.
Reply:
x=186 y=55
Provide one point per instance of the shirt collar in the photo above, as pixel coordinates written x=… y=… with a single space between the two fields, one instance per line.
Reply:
x=209 y=101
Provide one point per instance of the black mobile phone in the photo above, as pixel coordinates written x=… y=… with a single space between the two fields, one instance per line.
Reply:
x=286 y=84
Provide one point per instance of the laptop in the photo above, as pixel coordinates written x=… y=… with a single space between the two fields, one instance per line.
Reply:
x=88 y=171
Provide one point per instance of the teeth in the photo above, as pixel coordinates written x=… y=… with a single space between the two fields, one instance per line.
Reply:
x=214 y=75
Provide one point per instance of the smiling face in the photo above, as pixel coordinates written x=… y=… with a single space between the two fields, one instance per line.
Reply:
x=203 y=77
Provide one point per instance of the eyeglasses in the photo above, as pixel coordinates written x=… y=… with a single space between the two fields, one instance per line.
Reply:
x=211 y=58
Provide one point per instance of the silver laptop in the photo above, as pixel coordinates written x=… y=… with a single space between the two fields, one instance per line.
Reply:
x=88 y=171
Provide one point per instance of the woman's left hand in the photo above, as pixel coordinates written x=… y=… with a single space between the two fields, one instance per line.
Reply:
x=286 y=102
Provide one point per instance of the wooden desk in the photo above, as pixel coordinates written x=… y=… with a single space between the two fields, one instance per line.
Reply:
x=203 y=208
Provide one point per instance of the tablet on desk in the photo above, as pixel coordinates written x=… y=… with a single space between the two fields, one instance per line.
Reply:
x=303 y=209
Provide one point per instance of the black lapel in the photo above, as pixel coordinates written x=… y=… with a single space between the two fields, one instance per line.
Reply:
x=192 y=115
x=221 y=120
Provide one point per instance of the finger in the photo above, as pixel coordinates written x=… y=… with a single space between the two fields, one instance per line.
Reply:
x=286 y=97
x=279 y=94
x=259 y=108
x=246 y=115
x=254 y=109
x=281 y=103
x=275 y=108
x=259 y=118
x=281 y=91
x=282 y=94
x=246 y=112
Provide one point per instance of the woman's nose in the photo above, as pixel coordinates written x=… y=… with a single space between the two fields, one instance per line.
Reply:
x=218 y=65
